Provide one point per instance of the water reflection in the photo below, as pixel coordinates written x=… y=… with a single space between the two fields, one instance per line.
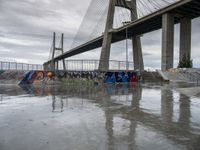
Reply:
x=1 y=98
x=55 y=101
x=185 y=113
x=167 y=107
x=126 y=119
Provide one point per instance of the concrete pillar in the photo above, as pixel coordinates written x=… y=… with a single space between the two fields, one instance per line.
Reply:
x=53 y=65
x=54 y=47
x=136 y=42
x=44 y=66
x=185 y=38
x=56 y=65
x=49 y=66
x=137 y=54
x=167 y=41
x=62 y=47
x=105 y=52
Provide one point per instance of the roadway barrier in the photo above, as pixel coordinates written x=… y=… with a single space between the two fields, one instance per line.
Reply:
x=19 y=66
x=92 y=65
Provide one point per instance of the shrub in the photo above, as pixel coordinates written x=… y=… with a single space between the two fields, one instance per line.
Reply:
x=185 y=62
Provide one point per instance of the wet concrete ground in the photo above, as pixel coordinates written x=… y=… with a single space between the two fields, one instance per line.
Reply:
x=122 y=117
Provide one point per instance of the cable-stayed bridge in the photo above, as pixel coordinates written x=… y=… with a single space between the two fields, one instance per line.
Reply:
x=117 y=20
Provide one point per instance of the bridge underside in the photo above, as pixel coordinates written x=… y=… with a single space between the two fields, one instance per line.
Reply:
x=152 y=22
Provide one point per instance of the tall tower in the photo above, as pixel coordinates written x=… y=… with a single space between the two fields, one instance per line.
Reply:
x=54 y=64
x=107 y=37
x=136 y=41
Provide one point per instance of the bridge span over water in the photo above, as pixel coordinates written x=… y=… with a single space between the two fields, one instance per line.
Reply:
x=181 y=12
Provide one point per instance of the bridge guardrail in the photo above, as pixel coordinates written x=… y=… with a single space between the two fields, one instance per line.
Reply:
x=91 y=65
x=193 y=77
x=19 y=66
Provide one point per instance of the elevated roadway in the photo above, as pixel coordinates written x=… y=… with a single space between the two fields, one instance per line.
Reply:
x=149 y=23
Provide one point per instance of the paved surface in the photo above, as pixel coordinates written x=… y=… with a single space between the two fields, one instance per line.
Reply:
x=128 y=117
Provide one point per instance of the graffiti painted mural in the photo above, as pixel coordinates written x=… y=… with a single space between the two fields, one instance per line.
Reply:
x=11 y=75
x=37 y=77
x=120 y=77
x=34 y=77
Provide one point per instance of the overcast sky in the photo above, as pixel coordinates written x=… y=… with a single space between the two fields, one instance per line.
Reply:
x=26 y=28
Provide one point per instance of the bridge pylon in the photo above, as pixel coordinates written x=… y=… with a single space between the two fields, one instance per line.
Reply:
x=55 y=64
x=107 y=37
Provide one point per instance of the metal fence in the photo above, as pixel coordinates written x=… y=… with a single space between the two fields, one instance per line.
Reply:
x=90 y=65
x=71 y=65
x=192 y=76
x=19 y=66
x=196 y=63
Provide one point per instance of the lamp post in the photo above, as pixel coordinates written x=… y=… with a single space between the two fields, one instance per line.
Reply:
x=127 y=64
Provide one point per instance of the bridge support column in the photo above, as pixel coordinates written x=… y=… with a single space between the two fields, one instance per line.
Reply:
x=54 y=47
x=137 y=54
x=136 y=42
x=45 y=66
x=185 y=38
x=49 y=66
x=57 y=65
x=105 y=52
x=54 y=64
x=62 y=49
x=167 y=41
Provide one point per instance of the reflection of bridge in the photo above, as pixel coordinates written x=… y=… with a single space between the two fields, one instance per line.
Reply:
x=181 y=12
x=175 y=131
x=180 y=130
x=164 y=124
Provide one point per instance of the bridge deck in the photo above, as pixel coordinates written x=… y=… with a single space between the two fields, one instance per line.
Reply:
x=152 y=22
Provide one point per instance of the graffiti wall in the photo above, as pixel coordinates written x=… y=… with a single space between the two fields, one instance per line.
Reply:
x=11 y=75
x=33 y=77
x=120 y=77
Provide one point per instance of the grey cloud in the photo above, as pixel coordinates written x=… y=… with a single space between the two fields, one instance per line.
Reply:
x=35 y=20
